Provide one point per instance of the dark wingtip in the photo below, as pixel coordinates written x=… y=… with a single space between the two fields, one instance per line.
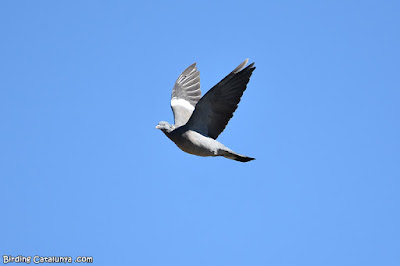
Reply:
x=251 y=66
x=244 y=159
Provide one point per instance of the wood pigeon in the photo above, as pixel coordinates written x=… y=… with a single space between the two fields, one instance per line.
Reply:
x=200 y=120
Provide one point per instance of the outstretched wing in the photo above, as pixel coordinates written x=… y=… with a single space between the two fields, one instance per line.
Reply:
x=214 y=110
x=185 y=95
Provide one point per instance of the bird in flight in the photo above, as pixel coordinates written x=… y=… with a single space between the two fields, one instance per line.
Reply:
x=200 y=120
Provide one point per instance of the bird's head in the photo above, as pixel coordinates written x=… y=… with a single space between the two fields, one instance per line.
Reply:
x=165 y=127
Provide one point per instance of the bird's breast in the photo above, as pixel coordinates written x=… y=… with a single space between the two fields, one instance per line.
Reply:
x=196 y=144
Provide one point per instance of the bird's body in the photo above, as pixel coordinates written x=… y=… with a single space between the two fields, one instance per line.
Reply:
x=194 y=143
x=198 y=122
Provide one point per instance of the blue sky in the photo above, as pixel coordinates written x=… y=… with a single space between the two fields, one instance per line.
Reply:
x=83 y=171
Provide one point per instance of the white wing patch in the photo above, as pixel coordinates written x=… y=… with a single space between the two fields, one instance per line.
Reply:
x=176 y=102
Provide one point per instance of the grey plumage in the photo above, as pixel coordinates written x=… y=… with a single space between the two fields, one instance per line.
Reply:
x=199 y=121
x=187 y=88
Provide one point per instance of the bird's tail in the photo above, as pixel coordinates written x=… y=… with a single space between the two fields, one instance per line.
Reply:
x=237 y=157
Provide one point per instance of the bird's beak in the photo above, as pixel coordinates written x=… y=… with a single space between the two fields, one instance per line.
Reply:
x=157 y=127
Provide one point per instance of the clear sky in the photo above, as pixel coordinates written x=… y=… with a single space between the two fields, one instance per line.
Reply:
x=84 y=172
